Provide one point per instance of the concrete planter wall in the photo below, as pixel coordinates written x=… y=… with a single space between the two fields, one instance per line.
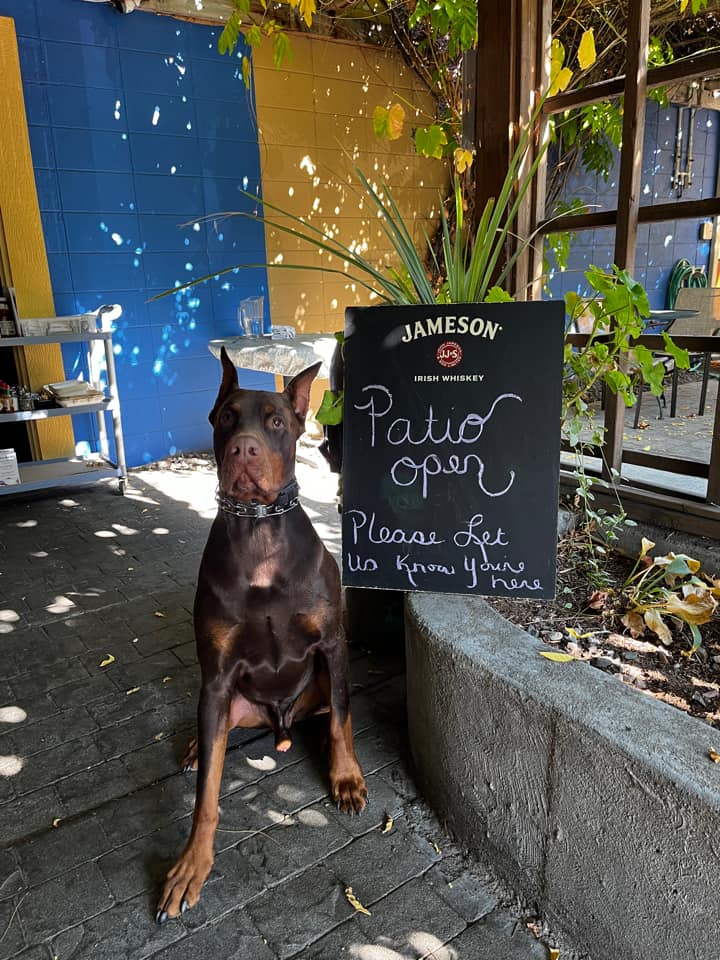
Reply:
x=596 y=802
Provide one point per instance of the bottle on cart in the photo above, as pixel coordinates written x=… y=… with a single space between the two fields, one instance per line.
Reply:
x=7 y=323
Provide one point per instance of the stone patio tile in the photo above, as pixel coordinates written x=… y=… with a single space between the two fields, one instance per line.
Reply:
x=501 y=937
x=50 y=766
x=13 y=939
x=300 y=911
x=234 y=937
x=64 y=902
x=299 y=785
x=382 y=802
x=159 y=760
x=11 y=878
x=65 y=726
x=147 y=810
x=125 y=932
x=129 y=675
x=177 y=636
x=141 y=865
x=59 y=849
x=145 y=728
x=92 y=788
x=27 y=685
x=466 y=894
x=233 y=882
x=82 y=692
x=182 y=684
x=310 y=835
x=414 y=922
x=245 y=812
x=271 y=859
x=39 y=707
x=377 y=863
x=376 y=750
x=343 y=943
x=35 y=812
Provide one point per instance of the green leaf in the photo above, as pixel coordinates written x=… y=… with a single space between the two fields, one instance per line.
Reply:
x=253 y=36
x=680 y=356
x=429 y=141
x=282 y=49
x=330 y=412
x=498 y=295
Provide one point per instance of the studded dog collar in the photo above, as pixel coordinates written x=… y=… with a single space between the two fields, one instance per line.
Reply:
x=286 y=500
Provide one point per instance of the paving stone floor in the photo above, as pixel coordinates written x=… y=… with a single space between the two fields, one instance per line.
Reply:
x=98 y=685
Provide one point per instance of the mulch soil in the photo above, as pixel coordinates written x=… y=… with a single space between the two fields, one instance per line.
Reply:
x=690 y=683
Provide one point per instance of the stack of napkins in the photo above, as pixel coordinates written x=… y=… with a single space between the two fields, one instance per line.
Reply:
x=68 y=393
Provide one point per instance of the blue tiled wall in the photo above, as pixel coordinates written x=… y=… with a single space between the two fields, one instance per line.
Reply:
x=137 y=125
x=660 y=245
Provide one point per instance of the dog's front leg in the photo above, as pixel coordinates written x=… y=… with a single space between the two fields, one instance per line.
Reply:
x=346 y=780
x=184 y=881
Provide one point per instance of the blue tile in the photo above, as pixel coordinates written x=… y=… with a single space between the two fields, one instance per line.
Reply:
x=220 y=159
x=101 y=233
x=189 y=309
x=154 y=112
x=160 y=194
x=41 y=147
x=227 y=196
x=188 y=439
x=156 y=72
x=166 y=270
x=222 y=121
x=156 y=153
x=24 y=15
x=82 y=65
x=60 y=277
x=132 y=346
x=137 y=380
x=187 y=374
x=32 y=59
x=54 y=232
x=220 y=79
x=183 y=338
x=101 y=192
x=47 y=189
x=36 y=103
x=241 y=238
x=144 y=447
x=81 y=23
x=202 y=42
x=154 y=34
x=167 y=233
x=86 y=107
x=87 y=301
x=187 y=410
x=107 y=271
x=98 y=150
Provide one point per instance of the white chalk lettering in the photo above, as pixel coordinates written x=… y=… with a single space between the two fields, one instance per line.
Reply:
x=411 y=568
x=356 y=564
x=383 y=534
x=432 y=466
x=515 y=584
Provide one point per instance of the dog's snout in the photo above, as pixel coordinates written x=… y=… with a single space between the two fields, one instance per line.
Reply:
x=245 y=448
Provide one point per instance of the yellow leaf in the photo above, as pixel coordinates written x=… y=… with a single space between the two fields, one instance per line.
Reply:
x=683 y=5
x=57 y=821
x=159 y=614
x=714 y=756
x=107 y=661
x=553 y=954
x=354 y=902
x=246 y=72
x=436 y=848
x=635 y=624
x=463 y=160
x=647 y=447
x=159 y=736
x=656 y=623
x=556 y=657
x=646 y=545
x=586 y=50
x=396 y=121
x=693 y=609
x=560 y=82
x=578 y=636
x=307 y=9
x=387 y=825
x=560 y=76
x=131 y=690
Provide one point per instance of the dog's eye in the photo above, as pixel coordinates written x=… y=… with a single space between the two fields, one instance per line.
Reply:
x=226 y=417
x=277 y=422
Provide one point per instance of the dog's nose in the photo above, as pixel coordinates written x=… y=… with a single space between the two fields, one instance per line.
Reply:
x=245 y=448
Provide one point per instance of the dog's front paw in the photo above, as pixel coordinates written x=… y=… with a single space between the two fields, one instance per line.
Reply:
x=349 y=791
x=183 y=884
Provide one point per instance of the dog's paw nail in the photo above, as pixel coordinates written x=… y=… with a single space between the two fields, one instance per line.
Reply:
x=161 y=916
x=184 y=906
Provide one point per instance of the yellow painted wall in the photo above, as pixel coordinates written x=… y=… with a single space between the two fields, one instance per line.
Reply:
x=315 y=126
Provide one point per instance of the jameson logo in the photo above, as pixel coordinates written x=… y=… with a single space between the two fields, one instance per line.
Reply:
x=451 y=450
x=430 y=326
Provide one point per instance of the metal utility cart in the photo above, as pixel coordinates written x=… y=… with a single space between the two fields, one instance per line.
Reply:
x=40 y=474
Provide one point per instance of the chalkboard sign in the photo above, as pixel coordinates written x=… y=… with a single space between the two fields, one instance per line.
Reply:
x=452 y=447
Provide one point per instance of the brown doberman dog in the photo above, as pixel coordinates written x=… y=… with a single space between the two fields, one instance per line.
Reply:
x=268 y=621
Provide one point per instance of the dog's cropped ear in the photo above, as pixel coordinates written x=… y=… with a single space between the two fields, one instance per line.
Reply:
x=229 y=383
x=298 y=391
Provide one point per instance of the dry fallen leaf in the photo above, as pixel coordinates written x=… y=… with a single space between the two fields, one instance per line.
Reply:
x=598 y=599
x=553 y=954
x=159 y=736
x=571 y=632
x=436 y=848
x=57 y=821
x=635 y=624
x=166 y=679
x=387 y=825
x=556 y=657
x=131 y=690
x=354 y=902
x=107 y=661
x=159 y=614
x=714 y=756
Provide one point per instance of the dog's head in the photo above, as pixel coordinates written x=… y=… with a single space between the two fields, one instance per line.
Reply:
x=255 y=432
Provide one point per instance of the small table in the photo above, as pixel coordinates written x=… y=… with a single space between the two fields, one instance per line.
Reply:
x=285 y=358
